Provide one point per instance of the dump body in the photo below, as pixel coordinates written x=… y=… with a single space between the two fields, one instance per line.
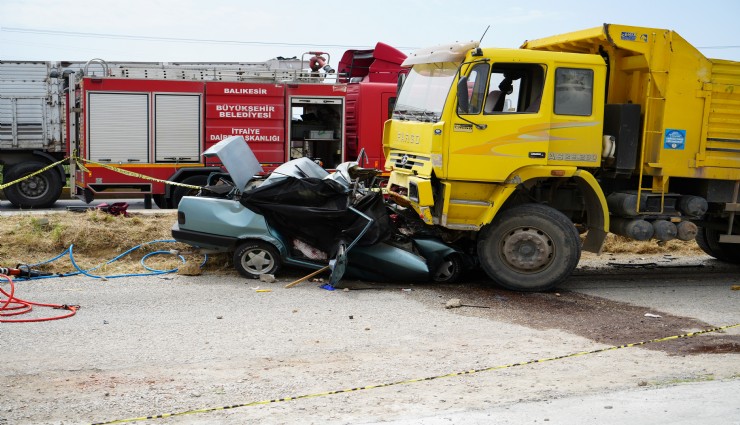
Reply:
x=616 y=129
x=690 y=104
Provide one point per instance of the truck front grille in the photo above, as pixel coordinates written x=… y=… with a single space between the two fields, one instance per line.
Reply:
x=406 y=161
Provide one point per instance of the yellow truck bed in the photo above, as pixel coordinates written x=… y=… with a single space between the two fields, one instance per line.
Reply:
x=690 y=104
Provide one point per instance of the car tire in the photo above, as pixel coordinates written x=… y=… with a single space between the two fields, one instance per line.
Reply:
x=255 y=258
x=449 y=270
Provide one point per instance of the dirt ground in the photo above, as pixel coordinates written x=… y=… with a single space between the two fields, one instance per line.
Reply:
x=597 y=319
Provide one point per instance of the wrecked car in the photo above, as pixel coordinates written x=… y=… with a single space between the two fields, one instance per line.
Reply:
x=301 y=215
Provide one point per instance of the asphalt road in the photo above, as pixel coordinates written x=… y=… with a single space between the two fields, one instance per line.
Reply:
x=134 y=204
x=189 y=345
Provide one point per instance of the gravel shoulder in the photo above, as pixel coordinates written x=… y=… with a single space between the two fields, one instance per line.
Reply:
x=144 y=346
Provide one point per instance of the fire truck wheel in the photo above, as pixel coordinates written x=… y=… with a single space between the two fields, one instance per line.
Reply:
x=708 y=241
x=179 y=191
x=161 y=202
x=529 y=247
x=39 y=191
x=255 y=258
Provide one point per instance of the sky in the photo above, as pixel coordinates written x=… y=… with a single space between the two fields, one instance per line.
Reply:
x=251 y=31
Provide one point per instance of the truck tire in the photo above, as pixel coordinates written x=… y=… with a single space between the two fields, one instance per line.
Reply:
x=161 y=202
x=255 y=258
x=529 y=247
x=179 y=191
x=708 y=241
x=39 y=191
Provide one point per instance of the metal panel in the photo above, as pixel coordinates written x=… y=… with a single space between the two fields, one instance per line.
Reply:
x=118 y=127
x=29 y=106
x=24 y=78
x=723 y=119
x=177 y=127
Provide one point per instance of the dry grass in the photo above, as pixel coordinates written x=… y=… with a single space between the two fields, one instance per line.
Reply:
x=98 y=237
x=621 y=245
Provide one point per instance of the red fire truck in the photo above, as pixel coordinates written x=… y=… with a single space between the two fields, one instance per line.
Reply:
x=153 y=121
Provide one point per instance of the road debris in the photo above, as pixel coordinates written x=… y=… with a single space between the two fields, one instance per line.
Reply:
x=456 y=303
x=267 y=278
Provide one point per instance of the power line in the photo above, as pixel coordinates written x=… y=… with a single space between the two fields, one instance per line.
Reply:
x=718 y=47
x=175 y=39
x=215 y=41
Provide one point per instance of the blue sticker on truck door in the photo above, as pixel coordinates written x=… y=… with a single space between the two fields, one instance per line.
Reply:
x=674 y=139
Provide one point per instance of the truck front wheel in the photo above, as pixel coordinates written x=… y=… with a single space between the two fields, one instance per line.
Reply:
x=529 y=247
x=39 y=191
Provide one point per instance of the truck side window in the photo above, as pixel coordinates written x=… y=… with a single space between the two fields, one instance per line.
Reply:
x=574 y=90
x=515 y=87
x=477 y=80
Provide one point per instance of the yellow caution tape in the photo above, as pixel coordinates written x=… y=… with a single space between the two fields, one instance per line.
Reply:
x=411 y=381
x=137 y=175
x=82 y=167
x=4 y=185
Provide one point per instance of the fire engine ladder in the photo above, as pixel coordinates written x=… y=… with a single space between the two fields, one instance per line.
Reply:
x=653 y=95
x=732 y=207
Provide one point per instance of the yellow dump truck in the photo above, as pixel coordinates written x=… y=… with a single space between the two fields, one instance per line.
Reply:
x=616 y=129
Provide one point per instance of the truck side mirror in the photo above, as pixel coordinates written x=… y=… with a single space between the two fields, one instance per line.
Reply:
x=463 y=102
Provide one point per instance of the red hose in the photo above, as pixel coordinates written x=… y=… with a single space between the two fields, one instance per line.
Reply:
x=13 y=306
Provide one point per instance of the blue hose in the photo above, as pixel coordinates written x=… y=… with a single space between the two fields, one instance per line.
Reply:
x=86 y=272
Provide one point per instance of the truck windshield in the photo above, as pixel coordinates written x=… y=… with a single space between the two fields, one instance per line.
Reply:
x=423 y=94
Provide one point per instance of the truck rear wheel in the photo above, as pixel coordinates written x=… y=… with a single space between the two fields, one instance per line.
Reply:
x=39 y=191
x=708 y=241
x=529 y=247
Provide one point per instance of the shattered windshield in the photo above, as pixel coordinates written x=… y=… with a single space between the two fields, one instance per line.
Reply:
x=423 y=94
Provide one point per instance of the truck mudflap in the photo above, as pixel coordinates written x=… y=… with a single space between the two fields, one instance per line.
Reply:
x=597 y=211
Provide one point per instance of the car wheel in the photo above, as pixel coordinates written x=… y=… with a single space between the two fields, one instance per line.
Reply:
x=255 y=258
x=449 y=271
